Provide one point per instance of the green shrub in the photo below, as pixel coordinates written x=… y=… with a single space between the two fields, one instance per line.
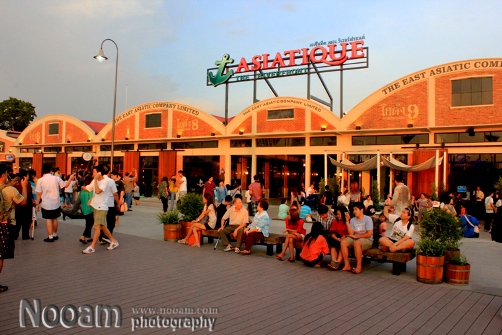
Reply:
x=442 y=226
x=458 y=260
x=375 y=195
x=171 y=217
x=191 y=206
x=428 y=247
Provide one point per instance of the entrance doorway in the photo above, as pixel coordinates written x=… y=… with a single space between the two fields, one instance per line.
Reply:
x=149 y=177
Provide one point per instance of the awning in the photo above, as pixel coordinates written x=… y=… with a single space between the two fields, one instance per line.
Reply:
x=371 y=164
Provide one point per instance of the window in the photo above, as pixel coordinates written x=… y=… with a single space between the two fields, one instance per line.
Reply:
x=391 y=139
x=194 y=145
x=152 y=146
x=280 y=142
x=118 y=147
x=153 y=120
x=281 y=114
x=465 y=137
x=80 y=148
x=30 y=150
x=241 y=143
x=323 y=141
x=472 y=92
x=53 y=128
x=52 y=149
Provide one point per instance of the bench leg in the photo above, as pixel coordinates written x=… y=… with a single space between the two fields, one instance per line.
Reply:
x=270 y=249
x=397 y=268
x=278 y=248
x=298 y=251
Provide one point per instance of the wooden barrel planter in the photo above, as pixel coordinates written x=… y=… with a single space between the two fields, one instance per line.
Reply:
x=457 y=274
x=447 y=255
x=430 y=269
x=172 y=232
x=185 y=227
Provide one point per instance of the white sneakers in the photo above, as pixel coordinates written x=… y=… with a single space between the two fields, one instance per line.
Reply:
x=113 y=245
x=229 y=248
x=90 y=250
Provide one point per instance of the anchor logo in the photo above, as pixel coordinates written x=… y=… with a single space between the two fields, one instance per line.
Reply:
x=220 y=78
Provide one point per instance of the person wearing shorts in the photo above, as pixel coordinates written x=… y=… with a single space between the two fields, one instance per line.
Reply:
x=48 y=189
x=360 y=238
x=99 y=202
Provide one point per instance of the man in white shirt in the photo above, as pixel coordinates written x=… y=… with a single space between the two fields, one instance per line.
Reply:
x=103 y=188
x=181 y=182
x=48 y=198
x=490 y=211
x=401 y=198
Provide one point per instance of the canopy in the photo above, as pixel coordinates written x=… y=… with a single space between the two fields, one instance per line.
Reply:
x=371 y=164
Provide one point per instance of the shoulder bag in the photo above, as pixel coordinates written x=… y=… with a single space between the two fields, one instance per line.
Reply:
x=476 y=228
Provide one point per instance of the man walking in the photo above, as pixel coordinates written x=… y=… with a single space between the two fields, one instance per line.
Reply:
x=401 y=198
x=48 y=192
x=181 y=182
x=102 y=188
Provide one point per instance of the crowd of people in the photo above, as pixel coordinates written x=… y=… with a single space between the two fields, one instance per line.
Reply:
x=99 y=196
x=343 y=225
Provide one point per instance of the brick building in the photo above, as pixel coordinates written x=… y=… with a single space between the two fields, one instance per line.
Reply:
x=448 y=110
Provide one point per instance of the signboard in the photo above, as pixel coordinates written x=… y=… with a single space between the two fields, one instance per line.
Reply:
x=461 y=189
x=320 y=57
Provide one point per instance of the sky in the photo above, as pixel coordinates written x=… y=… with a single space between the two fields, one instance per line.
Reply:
x=166 y=47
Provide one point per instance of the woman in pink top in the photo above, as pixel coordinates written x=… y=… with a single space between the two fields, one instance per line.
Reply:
x=295 y=233
x=314 y=246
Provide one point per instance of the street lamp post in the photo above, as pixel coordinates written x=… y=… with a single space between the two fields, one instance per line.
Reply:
x=101 y=57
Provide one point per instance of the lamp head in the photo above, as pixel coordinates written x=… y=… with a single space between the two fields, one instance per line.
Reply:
x=100 y=56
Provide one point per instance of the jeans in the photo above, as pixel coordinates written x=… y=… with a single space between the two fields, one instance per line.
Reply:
x=173 y=200
x=68 y=198
x=128 y=199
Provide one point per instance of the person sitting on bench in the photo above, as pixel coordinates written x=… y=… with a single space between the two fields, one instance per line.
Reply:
x=402 y=232
x=206 y=220
x=238 y=218
x=360 y=238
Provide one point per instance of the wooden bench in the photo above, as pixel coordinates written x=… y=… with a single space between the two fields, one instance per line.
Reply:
x=270 y=241
x=398 y=259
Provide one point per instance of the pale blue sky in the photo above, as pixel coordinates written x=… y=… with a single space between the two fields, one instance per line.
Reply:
x=166 y=46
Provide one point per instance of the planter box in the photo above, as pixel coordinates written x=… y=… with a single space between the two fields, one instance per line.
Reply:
x=430 y=269
x=457 y=274
x=172 y=232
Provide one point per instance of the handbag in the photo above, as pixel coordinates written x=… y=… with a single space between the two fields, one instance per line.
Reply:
x=476 y=228
x=123 y=207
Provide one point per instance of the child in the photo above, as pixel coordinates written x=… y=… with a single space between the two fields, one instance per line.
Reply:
x=136 y=194
x=283 y=209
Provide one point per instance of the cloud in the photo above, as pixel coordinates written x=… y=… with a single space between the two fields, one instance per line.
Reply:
x=107 y=9
x=289 y=7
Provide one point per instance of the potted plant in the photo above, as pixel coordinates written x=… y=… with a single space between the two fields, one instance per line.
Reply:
x=440 y=232
x=458 y=270
x=172 y=228
x=190 y=207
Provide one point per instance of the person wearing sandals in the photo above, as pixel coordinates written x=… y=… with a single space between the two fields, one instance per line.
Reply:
x=206 y=220
x=337 y=231
x=360 y=238
x=295 y=233
x=314 y=246
x=258 y=228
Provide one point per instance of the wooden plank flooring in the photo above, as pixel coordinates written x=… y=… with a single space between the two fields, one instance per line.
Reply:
x=255 y=294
